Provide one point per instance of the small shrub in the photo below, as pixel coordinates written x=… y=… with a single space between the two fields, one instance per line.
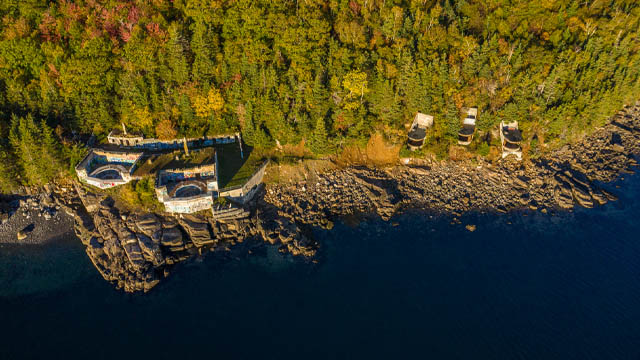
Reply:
x=140 y=194
x=483 y=149
x=221 y=201
x=73 y=154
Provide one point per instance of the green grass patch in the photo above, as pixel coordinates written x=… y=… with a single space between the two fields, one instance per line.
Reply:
x=233 y=169
x=138 y=194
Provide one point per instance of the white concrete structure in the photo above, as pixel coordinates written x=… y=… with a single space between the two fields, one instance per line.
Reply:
x=106 y=169
x=244 y=193
x=124 y=139
x=418 y=131
x=510 y=138
x=187 y=183
x=465 y=135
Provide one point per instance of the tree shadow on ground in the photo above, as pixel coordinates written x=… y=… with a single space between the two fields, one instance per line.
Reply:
x=234 y=165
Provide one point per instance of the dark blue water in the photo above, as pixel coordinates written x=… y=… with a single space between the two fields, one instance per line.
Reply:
x=564 y=286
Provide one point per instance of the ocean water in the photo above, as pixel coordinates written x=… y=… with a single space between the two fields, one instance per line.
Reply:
x=522 y=286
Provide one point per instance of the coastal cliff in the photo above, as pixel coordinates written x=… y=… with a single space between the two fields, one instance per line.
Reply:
x=135 y=250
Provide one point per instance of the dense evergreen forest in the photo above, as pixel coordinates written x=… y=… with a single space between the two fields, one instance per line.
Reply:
x=326 y=72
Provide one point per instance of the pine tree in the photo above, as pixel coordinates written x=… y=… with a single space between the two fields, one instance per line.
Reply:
x=202 y=69
x=8 y=175
x=36 y=149
x=175 y=56
x=320 y=102
x=319 y=141
x=452 y=122
x=249 y=129
x=385 y=101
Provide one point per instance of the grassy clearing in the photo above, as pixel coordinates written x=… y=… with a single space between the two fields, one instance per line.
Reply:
x=139 y=195
x=291 y=172
x=377 y=152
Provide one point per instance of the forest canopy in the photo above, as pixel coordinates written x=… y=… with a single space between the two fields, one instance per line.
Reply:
x=327 y=72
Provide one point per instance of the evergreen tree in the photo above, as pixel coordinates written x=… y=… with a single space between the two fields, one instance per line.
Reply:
x=320 y=141
x=36 y=150
x=203 y=67
x=8 y=175
x=249 y=128
x=175 y=56
x=361 y=66
x=385 y=102
x=320 y=102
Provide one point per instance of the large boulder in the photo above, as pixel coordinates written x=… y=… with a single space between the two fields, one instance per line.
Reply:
x=91 y=201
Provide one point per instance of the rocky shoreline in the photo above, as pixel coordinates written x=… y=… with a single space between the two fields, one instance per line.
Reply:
x=575 y=175
x=134 y=250
x=32 y=219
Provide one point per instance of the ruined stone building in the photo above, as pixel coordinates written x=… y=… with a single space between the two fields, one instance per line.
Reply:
x=187 y=182
x=108 y=168
x=187 y=171
x=123 y=138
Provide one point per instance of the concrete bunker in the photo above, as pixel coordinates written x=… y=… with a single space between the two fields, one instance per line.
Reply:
x=187 y=180
x=106 y=168
x=511 y=137
x=418 y=131
x=465 y=135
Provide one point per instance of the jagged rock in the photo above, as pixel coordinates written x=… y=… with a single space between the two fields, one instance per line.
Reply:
x=129 y=242
x=582 y=197
x=563 y=194
x=171 y=237
x=47 y=201
x=95 y=243
x=197 y=229
x=302 y=247
x=609 y=196
x=599 y=197
x=148 y=224
x=91 y=201
x=150 y=250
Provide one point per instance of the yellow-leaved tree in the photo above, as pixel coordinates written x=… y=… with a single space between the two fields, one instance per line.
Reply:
x=356 y=85
x=165 y=130
x=206 y=106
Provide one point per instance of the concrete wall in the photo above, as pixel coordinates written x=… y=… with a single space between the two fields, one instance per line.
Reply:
x=153 y=144
x=104 y=184
x=245 y=192
x=189 y=205
x=212 y=185
x=81 y=168
x=161 y=193
x=119 y=157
